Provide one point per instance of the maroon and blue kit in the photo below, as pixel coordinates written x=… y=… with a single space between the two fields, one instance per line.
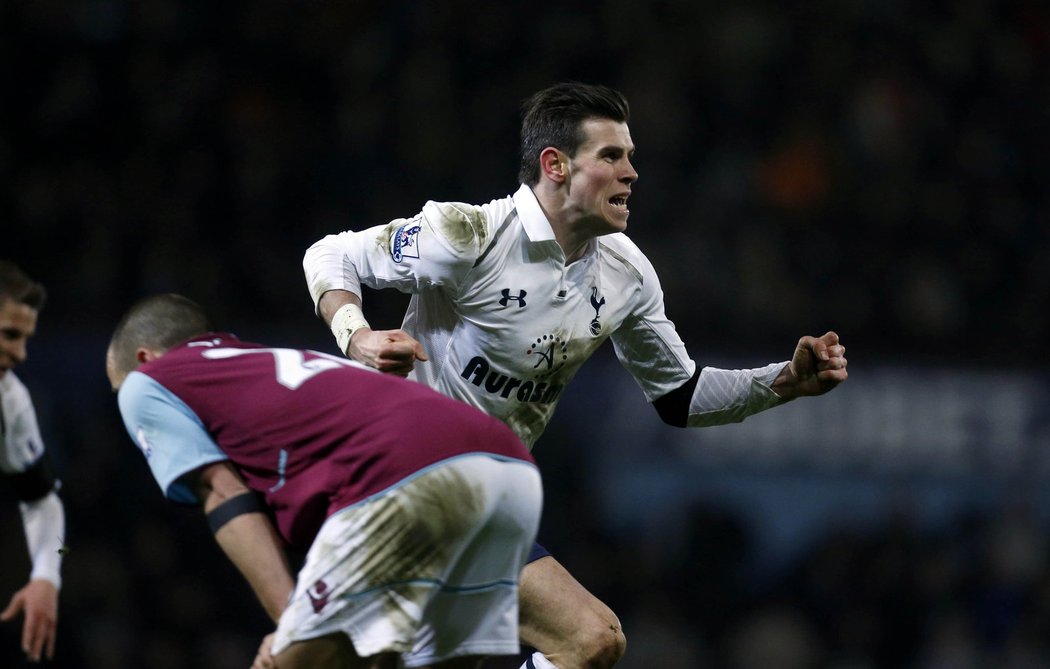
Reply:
x=311 y=432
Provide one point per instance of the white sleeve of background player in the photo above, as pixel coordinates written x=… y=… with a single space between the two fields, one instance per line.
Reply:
x=21 y=444
x=168 y=432
x=434 y=248
x=730 y=395
x=45 y=525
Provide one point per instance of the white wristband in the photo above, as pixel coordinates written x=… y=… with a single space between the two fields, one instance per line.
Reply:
x=346 y=321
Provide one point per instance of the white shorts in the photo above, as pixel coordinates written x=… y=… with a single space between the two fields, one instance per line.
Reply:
x=428 y=569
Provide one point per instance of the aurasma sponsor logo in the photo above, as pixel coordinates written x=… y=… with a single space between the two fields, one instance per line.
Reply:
x=479 y=372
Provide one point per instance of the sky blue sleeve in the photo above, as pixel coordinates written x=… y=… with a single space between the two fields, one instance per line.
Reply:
x=168 y=433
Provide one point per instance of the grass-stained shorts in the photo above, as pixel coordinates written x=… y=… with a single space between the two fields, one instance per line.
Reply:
x=428 y=568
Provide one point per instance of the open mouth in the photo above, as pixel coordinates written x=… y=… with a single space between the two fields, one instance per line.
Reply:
x=619 y=201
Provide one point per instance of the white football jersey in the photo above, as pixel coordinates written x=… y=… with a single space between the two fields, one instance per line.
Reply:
x=505 y=322
x=22 y=444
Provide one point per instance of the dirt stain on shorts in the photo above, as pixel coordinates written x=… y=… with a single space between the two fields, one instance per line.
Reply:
x=413 y=534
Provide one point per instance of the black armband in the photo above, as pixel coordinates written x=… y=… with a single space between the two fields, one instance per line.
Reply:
x=674 y=406
x=235 y=506
x=34 y=483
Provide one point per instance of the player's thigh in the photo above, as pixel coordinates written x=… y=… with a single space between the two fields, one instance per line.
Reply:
x=332 y=651
x=557 y=614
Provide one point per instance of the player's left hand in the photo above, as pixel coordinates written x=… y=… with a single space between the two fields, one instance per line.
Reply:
x=39 y=600
x=263 y=658
x=817 y=366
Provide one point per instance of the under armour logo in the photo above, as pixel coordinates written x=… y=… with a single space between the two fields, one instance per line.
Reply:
x=596 y=326
x=520 y=297
x=318 y=594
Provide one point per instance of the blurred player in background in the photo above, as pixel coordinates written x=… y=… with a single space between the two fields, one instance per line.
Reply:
x=510 y=298
x=25 y=466
x=418 y=511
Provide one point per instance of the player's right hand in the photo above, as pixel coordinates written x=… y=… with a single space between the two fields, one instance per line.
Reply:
x=39 y=600
x=263 y=658
x=389 y=351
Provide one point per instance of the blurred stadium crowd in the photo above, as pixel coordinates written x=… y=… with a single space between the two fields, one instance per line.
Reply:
x=879 y=168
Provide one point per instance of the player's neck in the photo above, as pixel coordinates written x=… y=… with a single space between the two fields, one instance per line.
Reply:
x=573 y=243
x=572 y=231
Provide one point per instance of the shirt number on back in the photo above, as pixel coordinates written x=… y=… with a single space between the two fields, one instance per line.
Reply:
x=292 y=367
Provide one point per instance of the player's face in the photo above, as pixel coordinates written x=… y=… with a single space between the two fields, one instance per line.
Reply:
x=17 y=325
x=601 y=175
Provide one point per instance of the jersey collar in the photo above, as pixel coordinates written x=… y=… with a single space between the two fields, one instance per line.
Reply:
x=533 y=220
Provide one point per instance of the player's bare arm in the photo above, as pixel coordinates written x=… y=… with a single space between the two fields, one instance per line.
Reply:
x=247 y=537
x=817 y=366
x=390 y=351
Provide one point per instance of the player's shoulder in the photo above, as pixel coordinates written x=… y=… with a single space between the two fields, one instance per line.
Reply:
x=136 y=385
x=13 y=391
x=620 y=252
x=466 y=226
x=435 y=210
x=20 y=442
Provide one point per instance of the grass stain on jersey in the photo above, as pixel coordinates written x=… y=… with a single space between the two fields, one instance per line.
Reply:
x=463 y=226
x=529 y=419
x=579 y=349
x=385 y=239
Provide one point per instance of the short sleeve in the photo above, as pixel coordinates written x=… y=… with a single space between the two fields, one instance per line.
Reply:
x=168 y=432
x=20 y=443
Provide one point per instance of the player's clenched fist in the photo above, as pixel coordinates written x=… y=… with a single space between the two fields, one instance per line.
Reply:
x=263 y=658
x=817 y=366
x=390 y=351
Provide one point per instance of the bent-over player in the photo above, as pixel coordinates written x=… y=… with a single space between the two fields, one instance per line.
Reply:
x=418 y=511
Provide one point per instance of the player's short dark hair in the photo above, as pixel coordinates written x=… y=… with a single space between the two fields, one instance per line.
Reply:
x=554 y=116
x=16 y=285
x=157 y=322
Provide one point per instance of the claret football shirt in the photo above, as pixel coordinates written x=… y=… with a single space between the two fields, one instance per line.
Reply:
x=312 y=432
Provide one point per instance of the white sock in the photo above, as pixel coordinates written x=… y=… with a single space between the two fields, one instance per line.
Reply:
x=538 y=661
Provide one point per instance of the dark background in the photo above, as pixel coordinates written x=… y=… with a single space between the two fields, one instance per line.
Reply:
x=879 y=168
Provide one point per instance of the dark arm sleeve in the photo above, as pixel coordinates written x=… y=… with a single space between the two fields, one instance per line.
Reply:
x=35 y=482
x=674 y=406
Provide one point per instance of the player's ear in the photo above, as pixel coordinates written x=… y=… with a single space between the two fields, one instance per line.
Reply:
x=144 y=355
x=554 y=164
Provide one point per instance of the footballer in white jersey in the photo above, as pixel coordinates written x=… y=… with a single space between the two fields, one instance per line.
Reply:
x=25 y=468
x=509 y=298
x=505 y=321
x=24 y=465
